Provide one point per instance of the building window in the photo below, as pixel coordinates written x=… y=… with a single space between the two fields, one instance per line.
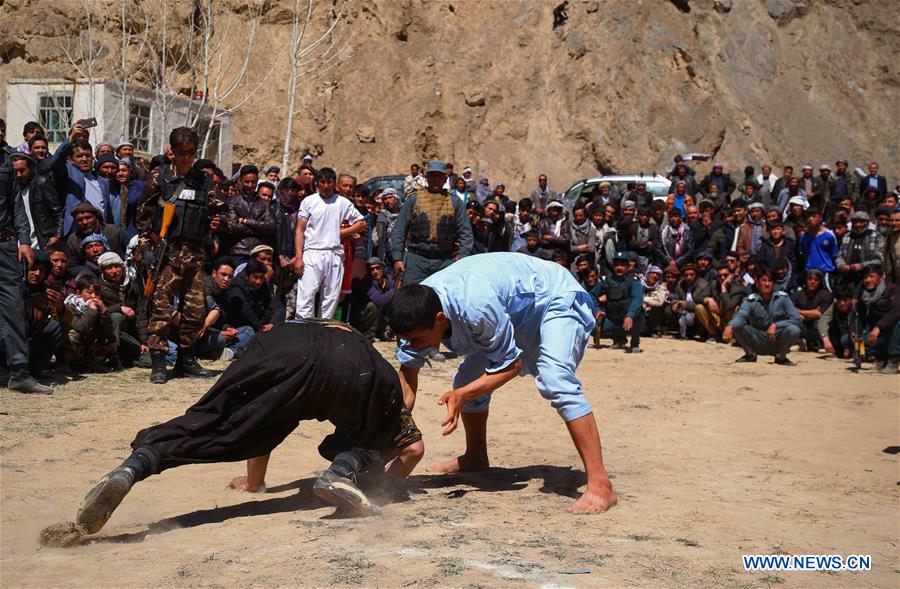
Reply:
x=55 y=115
x=139 y=127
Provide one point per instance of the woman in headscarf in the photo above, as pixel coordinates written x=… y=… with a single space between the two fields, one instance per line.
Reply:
x=483 y=190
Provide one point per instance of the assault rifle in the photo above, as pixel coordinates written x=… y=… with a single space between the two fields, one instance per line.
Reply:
x=167 y=216
x=857 y=340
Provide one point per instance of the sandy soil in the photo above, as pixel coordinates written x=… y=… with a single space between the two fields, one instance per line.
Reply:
x=711 y=460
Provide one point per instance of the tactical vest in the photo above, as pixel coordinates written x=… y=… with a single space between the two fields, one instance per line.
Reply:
x=190 y=195
x=618 y=299
x=433 y=219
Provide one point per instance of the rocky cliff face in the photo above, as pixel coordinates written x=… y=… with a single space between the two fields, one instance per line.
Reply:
x=622 y=86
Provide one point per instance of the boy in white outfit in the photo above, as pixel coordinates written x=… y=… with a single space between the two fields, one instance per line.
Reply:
x=318 y=236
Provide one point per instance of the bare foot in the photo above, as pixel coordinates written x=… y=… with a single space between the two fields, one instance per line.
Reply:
x=594 y=501
x=241 y=484
x=462 y=463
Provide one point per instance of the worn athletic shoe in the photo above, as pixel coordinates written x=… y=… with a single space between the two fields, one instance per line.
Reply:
x=343 y=493
x=102 y=500
x=227 y=354
x=746 y=358
x=617 y=346
x=22 y=382
x=785 y=361
x=890 y=367
x=633 y=350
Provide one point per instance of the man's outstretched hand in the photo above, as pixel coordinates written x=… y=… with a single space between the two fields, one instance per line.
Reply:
x=454 y=400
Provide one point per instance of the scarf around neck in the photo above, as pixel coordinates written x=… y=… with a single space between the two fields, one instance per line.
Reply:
x=870 y=296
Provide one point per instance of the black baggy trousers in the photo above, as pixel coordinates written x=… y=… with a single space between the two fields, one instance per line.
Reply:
x=297 y=371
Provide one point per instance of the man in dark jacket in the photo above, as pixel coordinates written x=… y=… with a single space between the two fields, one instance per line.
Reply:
x=879 y=311
x=250 y=219
x=15 y=248
x=252 y=300
x=695 y=303
x=682 y=174
x=811 y=300
x=766 y=323
x=284 y=212
x=533 y=247
x=294 y=373
x=845 y=184
x=219 y=340
x=621 y=299
x=835 y=323
x=43 y=207
x=719 y=178
x=675 y=246
x=554 y=229
x=88 y=221
x=645 y=236
x=860 y=247
x=379 y=291
x=776 y=246
x=729 y=294
x=873 y=180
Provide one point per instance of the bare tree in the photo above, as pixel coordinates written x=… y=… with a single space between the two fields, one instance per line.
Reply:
x=311 y=59
x=128 y=67
x=167 y=62
x=222 y=67
x=84 y=50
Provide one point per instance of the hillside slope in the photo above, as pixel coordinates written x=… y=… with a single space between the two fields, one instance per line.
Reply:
x=622 y=86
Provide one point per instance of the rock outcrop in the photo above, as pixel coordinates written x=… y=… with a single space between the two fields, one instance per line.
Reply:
x=621 y=86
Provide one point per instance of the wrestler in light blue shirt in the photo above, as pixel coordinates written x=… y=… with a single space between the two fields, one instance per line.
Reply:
x=503 y=307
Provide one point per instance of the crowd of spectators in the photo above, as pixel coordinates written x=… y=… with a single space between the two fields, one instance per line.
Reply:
x=765 y=262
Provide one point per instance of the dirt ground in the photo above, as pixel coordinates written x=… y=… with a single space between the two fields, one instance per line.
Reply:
x=711 y=460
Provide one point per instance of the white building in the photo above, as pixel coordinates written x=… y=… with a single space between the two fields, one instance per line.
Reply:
x=57 y=103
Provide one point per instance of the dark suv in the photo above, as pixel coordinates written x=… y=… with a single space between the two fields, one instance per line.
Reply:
x=379 y=183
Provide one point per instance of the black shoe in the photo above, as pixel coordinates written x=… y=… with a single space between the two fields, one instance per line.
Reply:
x=746 y=358
x=436 y=356
x=187 y=365
x=785 y=361
x=158 y=367
x=102 y=500
x=21 y=381
x=633 y=350
x=343 y=493
x=114 y=364
x=97 y=368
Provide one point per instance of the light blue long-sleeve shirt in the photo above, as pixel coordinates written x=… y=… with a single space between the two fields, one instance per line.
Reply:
x=496 y=303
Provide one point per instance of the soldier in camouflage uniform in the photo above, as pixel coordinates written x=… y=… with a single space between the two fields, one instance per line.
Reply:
x=180 y=285
x=432 y=227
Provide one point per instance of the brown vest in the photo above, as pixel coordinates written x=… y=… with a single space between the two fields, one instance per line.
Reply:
x=433 y=218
